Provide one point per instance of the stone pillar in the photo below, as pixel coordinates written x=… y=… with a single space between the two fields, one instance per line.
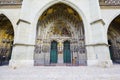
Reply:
x=23 y=49
x=99 y=46
x=91 y=56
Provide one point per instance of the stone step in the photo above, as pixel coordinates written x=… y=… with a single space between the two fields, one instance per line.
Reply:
x=60 y=73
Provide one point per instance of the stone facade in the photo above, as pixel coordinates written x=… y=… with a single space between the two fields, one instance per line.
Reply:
x=26 y=18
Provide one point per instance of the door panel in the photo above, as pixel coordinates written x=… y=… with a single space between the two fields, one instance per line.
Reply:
x=67 y=53
x=53 y=52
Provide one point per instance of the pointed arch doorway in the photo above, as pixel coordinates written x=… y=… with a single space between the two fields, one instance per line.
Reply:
x=61 y=23
x=6 y=40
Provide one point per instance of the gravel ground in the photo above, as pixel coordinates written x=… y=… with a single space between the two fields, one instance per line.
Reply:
x=60 y=73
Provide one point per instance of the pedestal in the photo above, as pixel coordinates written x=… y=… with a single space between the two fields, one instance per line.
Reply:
x=60 y=58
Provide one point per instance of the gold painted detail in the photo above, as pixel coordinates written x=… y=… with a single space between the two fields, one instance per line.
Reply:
x=60 y=29
x=60 y=12
x=58 y=20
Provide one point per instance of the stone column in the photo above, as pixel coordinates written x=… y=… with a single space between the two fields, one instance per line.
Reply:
x=99 y=46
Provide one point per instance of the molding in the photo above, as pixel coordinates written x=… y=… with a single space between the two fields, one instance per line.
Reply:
x=24 y=21
x=109 y=7
x=22 y=44
x=98 y=44
x=97 y=21
x=7 y=6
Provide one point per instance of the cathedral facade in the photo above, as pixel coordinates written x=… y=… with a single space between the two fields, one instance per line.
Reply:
x=59 y=32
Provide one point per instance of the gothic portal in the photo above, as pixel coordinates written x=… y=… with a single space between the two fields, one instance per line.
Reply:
x=6 y=40
x=114 y=40
x=60 y=37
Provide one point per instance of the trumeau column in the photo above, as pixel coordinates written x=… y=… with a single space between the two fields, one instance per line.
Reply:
x=99 y=54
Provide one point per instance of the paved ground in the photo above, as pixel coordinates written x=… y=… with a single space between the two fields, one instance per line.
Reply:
x=60 y=73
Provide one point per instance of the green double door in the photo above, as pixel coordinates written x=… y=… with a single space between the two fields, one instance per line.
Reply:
x=53 y=52
x=66 y=52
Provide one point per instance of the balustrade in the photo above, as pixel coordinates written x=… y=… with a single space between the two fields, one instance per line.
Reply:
x=2 y=2
x=109 y=2
x=102 y=2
